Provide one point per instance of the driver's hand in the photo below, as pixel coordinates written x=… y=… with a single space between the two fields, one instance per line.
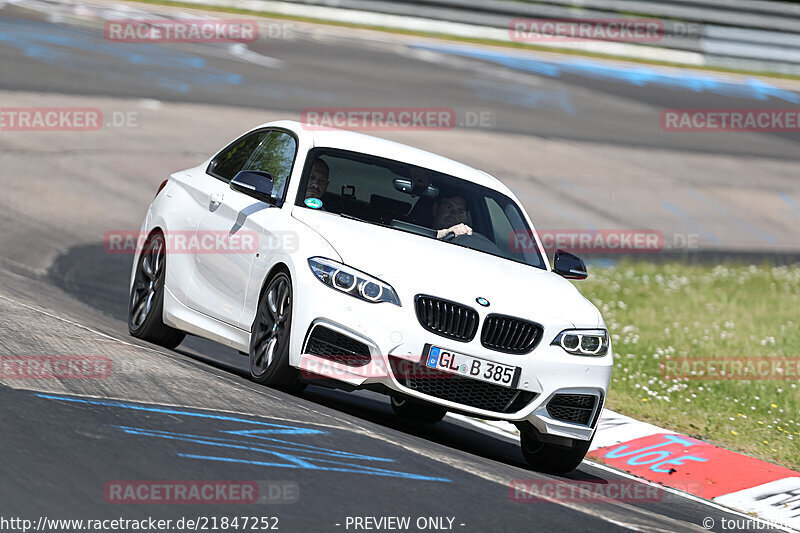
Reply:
x=458 y=229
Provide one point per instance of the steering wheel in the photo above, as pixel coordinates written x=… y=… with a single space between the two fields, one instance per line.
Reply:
x=475 y=241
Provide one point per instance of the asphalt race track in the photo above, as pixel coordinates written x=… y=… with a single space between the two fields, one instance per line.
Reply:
x=580 y=150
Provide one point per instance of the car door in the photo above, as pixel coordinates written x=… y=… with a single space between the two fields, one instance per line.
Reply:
x=228 y=234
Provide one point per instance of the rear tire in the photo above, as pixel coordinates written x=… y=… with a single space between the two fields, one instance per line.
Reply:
x=146 y=302
x=408 y=409
x=269 y=338
x=553 y=458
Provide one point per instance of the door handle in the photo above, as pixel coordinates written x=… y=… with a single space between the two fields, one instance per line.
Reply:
x=215 y=200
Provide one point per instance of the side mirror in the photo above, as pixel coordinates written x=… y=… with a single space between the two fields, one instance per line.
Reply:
x=569 y=265
x=256 y=184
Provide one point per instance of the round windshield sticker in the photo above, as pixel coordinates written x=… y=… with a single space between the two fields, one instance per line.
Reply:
x=313 y=203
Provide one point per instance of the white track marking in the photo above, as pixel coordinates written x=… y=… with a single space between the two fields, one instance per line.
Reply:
x=241 y=51
x=769 y=524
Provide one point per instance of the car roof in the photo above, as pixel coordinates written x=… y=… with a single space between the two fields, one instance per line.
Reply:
x=368 y=144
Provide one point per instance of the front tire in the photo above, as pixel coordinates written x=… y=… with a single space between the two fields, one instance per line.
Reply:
x=146 y=303
x=553 y=458
x=269 y=339
x=408 y=409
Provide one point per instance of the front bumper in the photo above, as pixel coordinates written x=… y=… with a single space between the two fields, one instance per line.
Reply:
x=393 y=336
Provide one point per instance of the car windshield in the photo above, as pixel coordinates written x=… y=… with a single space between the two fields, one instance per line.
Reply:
x=416 y=200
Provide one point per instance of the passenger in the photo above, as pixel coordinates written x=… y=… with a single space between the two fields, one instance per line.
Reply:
x=317 y=179
x=449 y=215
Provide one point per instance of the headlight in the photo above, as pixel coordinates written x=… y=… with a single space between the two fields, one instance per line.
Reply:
x=351 y=281
x=592 y=342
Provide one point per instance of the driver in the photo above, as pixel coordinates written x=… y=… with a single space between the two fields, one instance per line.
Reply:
x=449 y=215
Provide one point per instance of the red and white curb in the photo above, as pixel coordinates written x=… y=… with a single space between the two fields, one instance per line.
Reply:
x=734 y=480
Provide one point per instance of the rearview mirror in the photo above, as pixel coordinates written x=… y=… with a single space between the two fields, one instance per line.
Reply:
x=406 y=186
x=569 y=266
x=254 y=183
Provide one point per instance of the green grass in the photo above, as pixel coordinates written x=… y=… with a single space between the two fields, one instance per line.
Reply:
x=658 y=313
x=491 y=42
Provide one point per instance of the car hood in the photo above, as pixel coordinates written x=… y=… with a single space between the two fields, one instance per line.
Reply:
x=413 y=264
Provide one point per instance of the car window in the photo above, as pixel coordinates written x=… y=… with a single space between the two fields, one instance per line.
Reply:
x=275 y=154
x=510 y=231
x=233 y=158
x=365 y=180
x=405 y=197
x=501 y=227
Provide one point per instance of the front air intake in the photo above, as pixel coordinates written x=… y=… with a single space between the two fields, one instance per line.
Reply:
x=340 y=348
x=459 y=389
x=575 y=408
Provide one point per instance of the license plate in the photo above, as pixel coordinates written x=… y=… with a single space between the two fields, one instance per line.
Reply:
x=472 y=367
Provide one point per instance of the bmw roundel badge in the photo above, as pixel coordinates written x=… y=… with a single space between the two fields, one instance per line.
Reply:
x=482 y=301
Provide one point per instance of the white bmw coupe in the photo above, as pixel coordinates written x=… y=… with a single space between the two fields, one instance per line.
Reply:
x=344 y=260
